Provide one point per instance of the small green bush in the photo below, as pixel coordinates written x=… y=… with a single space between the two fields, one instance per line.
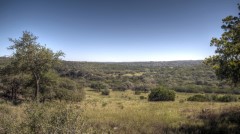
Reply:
x=98 y=86
x=228 y=98
x=215 y=98
x=161 y=94
x=105 y=92
x=199 y=98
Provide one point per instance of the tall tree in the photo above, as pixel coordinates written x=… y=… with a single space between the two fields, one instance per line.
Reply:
x=226 y=61
x=33 y=58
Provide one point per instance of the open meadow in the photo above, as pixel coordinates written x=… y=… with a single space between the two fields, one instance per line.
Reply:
x=120 y=67
x=88 y=97
x=120 y=112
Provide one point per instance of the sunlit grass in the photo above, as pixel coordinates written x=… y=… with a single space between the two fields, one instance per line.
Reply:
x=124 y=112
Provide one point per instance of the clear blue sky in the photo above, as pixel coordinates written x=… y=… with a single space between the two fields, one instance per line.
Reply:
x=118 y=30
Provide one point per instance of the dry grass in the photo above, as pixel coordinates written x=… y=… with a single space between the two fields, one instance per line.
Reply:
x=125 y=112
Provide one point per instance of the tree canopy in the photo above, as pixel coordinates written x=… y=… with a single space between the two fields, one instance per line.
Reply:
x=32 y=58
x=226 y=61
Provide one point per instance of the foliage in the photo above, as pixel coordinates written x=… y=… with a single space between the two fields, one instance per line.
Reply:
x=181 y=76
x=161 y=94
x=226 y=61
x=142 y=88
x=213 y=98
x=122 y=86
x=227 y=98
x=30 y=73
x=98 y=86
x=32 y=58
x=199 y=98
x=105 y=91
x=69 y=90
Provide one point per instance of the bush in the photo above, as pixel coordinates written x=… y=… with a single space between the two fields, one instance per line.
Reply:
x=199 y=98
x=69 y=95
x=228 y=98
x=204 y=98
x=161 y=94
x=105 y=92
x=98 y=86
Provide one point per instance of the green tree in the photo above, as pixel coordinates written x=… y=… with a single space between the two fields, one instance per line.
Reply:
x=12 y=81
x=32 y=58
x=226 y=61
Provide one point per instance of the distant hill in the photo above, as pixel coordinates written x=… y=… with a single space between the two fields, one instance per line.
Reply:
x=181 y=63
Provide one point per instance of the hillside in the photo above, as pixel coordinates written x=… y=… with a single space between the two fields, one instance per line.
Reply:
x=183 y=76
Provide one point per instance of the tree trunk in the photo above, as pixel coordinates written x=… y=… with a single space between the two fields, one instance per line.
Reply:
x=36 y=94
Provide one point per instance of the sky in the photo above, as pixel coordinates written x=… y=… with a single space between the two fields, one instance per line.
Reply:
x=118 y=30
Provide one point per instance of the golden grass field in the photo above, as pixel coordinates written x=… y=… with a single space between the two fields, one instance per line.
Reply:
x=125 y=112
x=121 y=112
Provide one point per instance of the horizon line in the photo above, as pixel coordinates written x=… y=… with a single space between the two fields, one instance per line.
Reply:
x=8 y=56
x=132 y=61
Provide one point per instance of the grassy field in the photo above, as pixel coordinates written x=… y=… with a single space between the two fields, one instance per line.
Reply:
x=120 y=112
x=125 y=112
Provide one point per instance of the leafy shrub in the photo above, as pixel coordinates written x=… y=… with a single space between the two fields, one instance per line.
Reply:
x=199 y=98
x=161 y=94
x=204 y=98
x=98 y=86
x=105 y=92
x=67 y=83
x=69 y=95
x=228 y=98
